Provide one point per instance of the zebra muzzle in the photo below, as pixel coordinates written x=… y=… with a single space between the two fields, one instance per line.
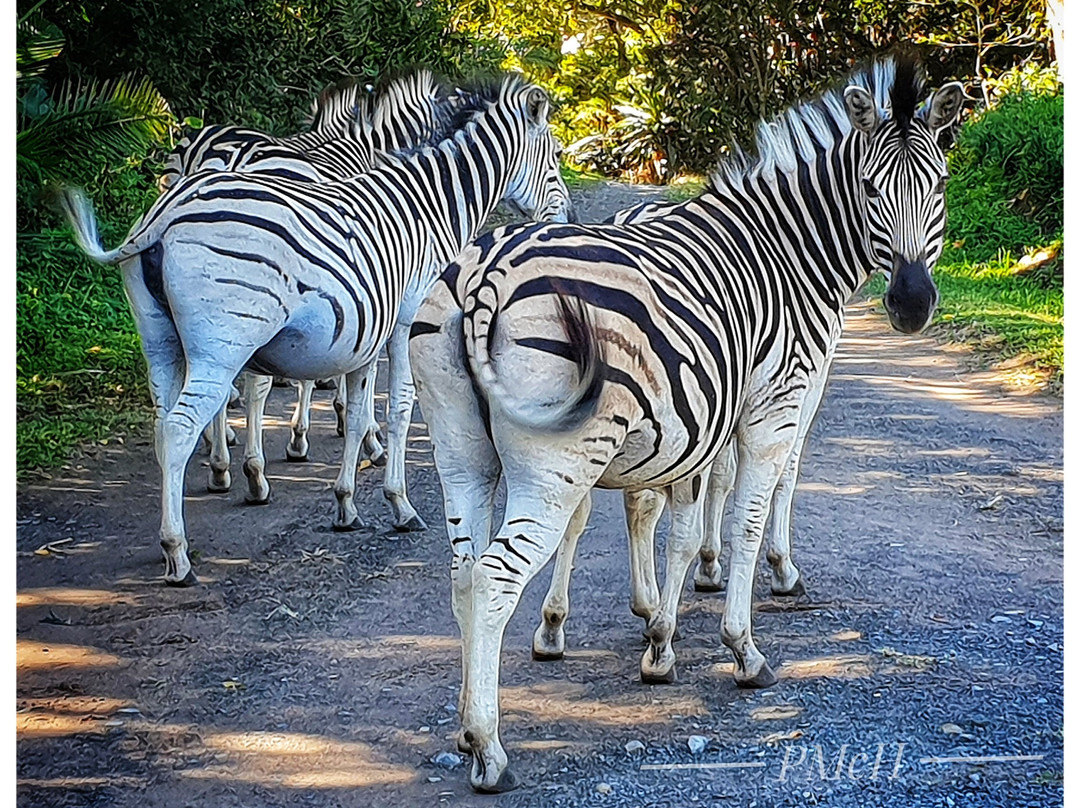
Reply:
x=911 y=297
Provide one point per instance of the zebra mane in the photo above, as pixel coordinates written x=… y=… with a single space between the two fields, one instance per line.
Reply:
x=796 y=135
x=343 y=94
x=462 y=106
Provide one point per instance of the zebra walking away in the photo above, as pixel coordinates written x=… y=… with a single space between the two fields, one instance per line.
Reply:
x=309 y=280
x=352 y=128
x=629 y=356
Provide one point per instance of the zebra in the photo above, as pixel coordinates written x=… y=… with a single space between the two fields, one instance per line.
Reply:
x=564 y=356
x=311 y=280
x=349 y=132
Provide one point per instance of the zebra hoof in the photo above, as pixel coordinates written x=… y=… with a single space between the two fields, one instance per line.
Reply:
x=254 y=501
x=218 y=489
x=188 y=580
x=414 y=524
x=707 y=587
x=506 y=782
x=295 y=458
x=762 y=679
x=796 y=591
x=463 y=745
x=379 y=461
x=667 y=678
x=355 y=524
x=546 y=656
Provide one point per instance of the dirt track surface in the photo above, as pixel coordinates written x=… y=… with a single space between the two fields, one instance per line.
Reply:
x=313 y=668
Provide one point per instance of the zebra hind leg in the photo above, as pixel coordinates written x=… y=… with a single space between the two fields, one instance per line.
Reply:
x=399 y=415
x=522 y=546
x=178 y=433
x=297 y=449
x=348 y=518
x=643 y=511
x=708 y=577
x=686 y=499
x=549 y=640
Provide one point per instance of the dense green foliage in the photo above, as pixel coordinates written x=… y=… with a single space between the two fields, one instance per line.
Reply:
x=256 y=62
x=80 y=373
x=1007 y=190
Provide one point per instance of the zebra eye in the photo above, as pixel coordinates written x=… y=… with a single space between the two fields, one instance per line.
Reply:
x=871 y=191
x=940 y=187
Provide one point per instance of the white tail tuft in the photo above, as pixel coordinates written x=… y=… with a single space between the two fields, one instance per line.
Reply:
x=80 y=214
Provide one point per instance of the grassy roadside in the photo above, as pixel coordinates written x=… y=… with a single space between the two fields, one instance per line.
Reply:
x=1010 y=312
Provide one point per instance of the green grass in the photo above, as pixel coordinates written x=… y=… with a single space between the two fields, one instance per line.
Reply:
x=577 y=178
x=1002 y=311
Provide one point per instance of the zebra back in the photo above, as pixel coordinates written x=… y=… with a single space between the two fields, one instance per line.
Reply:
x=350 y=126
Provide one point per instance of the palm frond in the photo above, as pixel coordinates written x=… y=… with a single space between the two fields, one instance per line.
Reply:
x=35 y=47
x=99 y=121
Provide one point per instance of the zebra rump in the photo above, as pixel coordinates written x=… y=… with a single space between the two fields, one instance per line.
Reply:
x=581 y=347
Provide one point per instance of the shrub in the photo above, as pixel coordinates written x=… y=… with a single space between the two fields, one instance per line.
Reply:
x=1006 y=190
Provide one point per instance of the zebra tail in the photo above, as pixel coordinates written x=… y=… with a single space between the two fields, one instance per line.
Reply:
x=80 y=214
x=583 y=348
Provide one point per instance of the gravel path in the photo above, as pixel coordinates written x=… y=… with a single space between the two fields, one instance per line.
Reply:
x=319 y=669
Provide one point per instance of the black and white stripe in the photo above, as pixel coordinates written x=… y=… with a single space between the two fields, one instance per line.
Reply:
x=629 y=356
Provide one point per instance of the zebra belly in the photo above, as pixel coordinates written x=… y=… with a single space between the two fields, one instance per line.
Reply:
x=307 y=349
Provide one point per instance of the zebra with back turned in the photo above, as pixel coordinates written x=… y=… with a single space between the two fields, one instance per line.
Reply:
x=570 y=356
x=352 y=125
x=310 y=280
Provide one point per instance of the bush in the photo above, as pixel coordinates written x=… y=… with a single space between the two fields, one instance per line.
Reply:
x=257 y=63
x=1006 y=190
x=79 y=371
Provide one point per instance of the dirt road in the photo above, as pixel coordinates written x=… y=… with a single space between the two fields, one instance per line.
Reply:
x=312 y=668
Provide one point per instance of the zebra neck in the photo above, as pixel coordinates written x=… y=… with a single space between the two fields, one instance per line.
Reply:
x=475 y=179
x=808 y=224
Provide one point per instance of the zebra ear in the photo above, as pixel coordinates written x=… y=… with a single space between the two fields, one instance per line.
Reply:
x=944 y=107
x=536 y=104
x=861 y=109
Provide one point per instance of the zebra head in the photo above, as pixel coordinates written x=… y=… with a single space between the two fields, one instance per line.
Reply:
x=901 y=184
x=537 y=189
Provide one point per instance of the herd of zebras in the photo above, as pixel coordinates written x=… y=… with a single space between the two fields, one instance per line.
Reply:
x=677 y=353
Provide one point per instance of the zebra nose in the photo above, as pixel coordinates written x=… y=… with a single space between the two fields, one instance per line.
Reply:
x=911 y=296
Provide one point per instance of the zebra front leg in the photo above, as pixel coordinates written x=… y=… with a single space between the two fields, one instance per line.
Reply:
x=372 y=447
x=763 y=451
x=256 y=389
x=345 y=485
x=786 y=578
x=297 y=449
x=549 y=640
x=341 y=400
x=220 y=479
x=709 y=576
x=686 y=499
x=398 y=418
